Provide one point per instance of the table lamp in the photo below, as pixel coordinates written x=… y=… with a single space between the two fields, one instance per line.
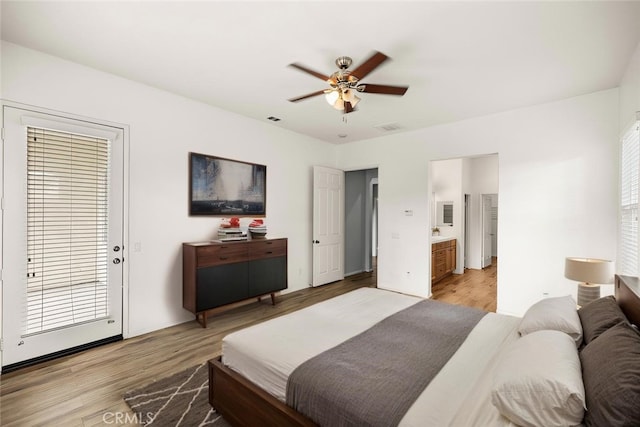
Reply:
x=591 y=273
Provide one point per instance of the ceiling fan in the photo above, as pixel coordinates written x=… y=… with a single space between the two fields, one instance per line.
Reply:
x=344 y=84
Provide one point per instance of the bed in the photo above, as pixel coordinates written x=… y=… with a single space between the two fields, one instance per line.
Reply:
x=373 y=357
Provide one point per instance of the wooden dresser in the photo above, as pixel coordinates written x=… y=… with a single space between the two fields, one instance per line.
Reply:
x=443 y=259
x=220 y=275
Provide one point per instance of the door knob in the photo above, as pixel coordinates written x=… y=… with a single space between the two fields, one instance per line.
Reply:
x=116 y=248
x=116 y=260
x=316 y=241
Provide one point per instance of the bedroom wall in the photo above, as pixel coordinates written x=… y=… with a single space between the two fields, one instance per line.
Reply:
x=163 y=129
x=630 y=91
x=558 y=177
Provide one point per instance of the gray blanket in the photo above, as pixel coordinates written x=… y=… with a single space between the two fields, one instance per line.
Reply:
x=373 y=378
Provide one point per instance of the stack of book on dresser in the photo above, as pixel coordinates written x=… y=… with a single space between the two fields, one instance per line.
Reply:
x=231 y=234
x=230 y=230
x=257 y=229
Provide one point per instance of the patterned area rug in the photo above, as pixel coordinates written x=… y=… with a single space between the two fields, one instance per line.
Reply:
x=178 y=400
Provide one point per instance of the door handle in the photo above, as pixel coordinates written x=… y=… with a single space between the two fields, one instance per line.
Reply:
x=116 y=248
x=116 y=260
x=315 y=241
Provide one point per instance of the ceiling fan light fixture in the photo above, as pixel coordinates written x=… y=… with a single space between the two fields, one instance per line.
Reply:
x=344 y=83
x=334 y=98
x=347 y=95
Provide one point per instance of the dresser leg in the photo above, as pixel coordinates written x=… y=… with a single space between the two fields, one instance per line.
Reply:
x=273 y=298
x=201 y=318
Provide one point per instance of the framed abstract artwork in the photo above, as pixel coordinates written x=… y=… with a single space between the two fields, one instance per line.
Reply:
x=225 y=187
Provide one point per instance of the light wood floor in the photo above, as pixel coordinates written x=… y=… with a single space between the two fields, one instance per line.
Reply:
x=86 y=389
x=474 y=288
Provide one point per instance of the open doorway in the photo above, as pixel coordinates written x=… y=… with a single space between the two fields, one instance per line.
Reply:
x=361 y=237
x=462 y=185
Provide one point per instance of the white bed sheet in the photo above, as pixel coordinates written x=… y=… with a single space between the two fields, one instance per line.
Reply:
x=459 y=395
x=268 y=352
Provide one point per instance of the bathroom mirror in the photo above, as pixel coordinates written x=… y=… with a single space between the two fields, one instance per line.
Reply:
x=444 y=214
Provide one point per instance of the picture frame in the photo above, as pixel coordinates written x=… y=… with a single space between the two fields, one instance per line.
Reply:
x=224 y=187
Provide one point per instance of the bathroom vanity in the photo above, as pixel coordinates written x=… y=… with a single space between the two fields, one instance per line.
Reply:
x=443 y=257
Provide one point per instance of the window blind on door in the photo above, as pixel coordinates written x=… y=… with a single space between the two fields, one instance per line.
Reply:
x=629 y=188
x=67 y=227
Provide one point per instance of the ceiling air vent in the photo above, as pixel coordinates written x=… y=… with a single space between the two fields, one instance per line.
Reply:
x=388 y=127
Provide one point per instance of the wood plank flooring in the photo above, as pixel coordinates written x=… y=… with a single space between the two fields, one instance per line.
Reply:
x=474 y=288
x=86 y=389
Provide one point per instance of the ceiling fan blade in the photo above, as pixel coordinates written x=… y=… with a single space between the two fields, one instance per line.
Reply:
x=369 y=65
x=309 y=95
x=385 y=89
x=309 y=71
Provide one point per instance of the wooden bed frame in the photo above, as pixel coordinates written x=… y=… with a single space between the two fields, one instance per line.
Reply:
x=627 y=291
x=242 y=403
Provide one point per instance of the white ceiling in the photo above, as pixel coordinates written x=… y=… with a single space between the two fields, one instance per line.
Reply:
x=459 y=59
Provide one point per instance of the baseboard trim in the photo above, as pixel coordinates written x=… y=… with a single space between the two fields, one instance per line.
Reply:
x=353 y=273
x=19 y=365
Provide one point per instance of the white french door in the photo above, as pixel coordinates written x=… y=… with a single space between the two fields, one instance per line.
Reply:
x=62 y=234
x=328 y=225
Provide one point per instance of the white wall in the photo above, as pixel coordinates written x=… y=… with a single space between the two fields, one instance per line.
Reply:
x=164 y=128
x=557 y=184
x=630 y=91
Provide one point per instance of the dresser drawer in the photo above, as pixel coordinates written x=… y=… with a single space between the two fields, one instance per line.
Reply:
x=267 y=249
x=221 y=254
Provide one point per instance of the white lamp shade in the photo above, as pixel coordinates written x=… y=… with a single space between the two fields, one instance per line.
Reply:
x=589 y=270
x=332 y=97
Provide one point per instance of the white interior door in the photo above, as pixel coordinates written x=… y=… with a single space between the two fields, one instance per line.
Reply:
x=486 y=231
x=62 y=234
x=328 y=225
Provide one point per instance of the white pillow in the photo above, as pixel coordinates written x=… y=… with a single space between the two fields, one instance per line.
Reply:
x=557 y=314
x=538 y=381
